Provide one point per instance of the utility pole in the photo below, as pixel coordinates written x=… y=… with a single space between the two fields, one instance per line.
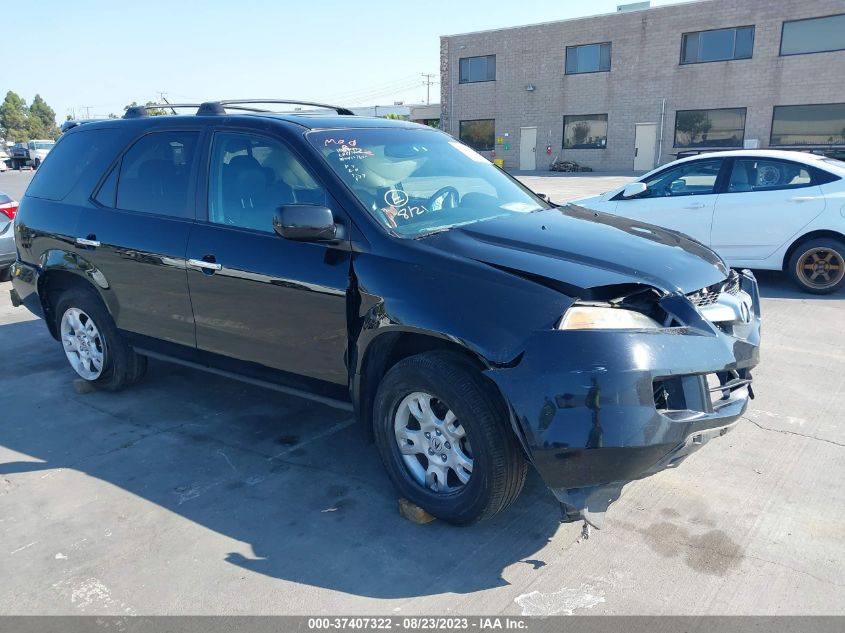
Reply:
x=428 y=83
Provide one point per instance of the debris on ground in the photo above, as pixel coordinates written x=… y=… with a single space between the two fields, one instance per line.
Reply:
x=413 y=512
x=585 y=533
x=568 y=165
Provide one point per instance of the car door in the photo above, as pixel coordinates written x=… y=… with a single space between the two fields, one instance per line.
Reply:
x=258 y=297
x=765 y=203
x=136 y=233
x=680 y=197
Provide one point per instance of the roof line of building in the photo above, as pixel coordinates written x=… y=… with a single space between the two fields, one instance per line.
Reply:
x=585 y=17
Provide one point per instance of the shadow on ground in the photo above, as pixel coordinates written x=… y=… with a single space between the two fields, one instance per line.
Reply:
x=291 y=479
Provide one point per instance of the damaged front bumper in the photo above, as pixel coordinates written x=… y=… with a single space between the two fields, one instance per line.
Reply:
x=597 y=409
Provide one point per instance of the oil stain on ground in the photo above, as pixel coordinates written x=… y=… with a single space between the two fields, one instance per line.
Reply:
x=714 y=552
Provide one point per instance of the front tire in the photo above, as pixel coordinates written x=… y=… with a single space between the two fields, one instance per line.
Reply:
x=92 y=344
x=445 y=438
x=818 y=266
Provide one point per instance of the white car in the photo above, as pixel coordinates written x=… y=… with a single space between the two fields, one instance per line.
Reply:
x=4 y=156
x=762 y=209
x=38 y=151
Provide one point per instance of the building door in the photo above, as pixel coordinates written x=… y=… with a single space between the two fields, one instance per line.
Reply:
x=645 y=142
x=528 y=148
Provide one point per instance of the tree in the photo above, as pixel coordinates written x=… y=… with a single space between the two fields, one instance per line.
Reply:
x=150 y=111
x=42 y=120
x=13 y=118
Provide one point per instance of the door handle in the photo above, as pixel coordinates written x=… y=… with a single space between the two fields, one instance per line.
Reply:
x=210 y=266
x=697 y=205
x=800 y=199
x=87 y=241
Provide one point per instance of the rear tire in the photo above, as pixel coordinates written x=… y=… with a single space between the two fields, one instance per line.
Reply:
x=468 y=411
x=88 y=333
x=818 y=266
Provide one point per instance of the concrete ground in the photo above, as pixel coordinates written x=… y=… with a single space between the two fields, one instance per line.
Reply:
x=195 y=494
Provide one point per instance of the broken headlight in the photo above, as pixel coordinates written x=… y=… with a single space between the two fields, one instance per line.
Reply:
x=588 y=317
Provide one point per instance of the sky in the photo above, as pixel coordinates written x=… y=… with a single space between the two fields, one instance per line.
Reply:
x=93 y=57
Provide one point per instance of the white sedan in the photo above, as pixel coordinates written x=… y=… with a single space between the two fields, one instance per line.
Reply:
x=763 y=209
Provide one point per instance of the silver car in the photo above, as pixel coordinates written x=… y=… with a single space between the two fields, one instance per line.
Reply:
x=8 y=209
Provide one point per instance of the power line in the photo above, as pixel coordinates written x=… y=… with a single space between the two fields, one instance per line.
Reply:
x=375 y=90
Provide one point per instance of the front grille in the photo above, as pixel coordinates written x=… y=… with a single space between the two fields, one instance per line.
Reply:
x=710 y=295
x=702 y=393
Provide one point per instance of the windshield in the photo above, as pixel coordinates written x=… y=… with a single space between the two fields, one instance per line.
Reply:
x=46 y=145
x=415 y=182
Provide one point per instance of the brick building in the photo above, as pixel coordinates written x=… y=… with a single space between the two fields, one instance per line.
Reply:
x=633 y=89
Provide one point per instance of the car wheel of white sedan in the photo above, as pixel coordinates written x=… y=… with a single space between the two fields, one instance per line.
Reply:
x=818 y=266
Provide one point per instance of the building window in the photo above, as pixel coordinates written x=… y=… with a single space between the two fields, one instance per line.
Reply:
x=474 y=69
x=717 y=46
x=479 y=134
x=816 y=35
x=585 y=131
x=710 y=128
x=821 y=124
x=590 y=58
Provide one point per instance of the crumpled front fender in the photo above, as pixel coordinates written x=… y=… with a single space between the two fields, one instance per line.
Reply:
x=584 y=404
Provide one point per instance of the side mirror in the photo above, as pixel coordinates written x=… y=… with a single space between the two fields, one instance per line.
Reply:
x=304 y=222
x=633 y=189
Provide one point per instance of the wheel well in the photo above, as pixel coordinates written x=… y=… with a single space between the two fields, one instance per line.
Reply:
x=50 y=285
x=806 y=238
x=383 y=353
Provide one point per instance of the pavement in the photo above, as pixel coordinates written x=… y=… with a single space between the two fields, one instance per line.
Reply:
x=194 y=494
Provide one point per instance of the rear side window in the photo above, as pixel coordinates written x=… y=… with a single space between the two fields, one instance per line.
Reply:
x=768 y=175
x=67 y=161
x=108 y=191
x=155 y=174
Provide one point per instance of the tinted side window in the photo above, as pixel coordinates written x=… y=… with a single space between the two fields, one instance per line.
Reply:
x=253 y=175
x=108 y=190
x=689 y=179
x=67 y=161
x=767 y=175
x=155 y=174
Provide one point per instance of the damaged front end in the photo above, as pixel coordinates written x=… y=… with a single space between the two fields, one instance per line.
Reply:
x=599 y=407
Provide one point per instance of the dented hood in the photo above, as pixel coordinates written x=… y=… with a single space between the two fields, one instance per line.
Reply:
x=581 y=249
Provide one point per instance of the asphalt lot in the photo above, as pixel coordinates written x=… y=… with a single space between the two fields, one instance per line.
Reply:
x=195 y=494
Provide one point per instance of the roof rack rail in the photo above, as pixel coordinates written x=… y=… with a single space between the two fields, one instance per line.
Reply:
x=139 y=111
x=210 y=108
x=338 y=109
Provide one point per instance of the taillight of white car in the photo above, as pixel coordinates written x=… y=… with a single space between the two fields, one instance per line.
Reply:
x=9 y=209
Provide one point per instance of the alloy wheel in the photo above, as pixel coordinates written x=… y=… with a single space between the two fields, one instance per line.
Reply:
x=84 y=346
x=433 y=443
x=820 y=268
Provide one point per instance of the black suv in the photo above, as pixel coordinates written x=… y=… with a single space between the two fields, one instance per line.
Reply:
x=385 y=267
